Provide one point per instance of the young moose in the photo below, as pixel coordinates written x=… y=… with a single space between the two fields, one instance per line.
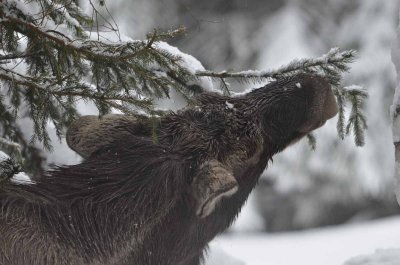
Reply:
x=134 y=201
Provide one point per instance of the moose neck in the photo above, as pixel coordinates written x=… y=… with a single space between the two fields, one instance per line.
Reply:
x=103 y=204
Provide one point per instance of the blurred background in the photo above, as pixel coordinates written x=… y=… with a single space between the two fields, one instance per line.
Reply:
x=336 y=184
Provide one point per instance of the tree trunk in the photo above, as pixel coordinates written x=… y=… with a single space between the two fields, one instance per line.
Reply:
x=395 y=111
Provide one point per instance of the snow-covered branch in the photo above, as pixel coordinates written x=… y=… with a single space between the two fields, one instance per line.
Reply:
x=9 y=144
x=329 y=64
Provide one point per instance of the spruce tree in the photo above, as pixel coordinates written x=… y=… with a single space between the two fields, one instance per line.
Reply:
x=52 y=55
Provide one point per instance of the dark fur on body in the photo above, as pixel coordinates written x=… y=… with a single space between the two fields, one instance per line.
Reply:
x=130 y=202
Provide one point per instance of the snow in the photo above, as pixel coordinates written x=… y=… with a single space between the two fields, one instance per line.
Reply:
x=229 y=105
x=3 y=156
x=32 y=8
x=217 y=256
x=21 y=177
x=249 y=72
x=27 y=7
x=285 y=33
x=188 y=62
x=328 y=246
x=250 y=219
x=191 y=64
x=355 y=87
x=380 y=257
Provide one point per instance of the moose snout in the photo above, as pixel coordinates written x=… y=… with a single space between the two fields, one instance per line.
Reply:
x=323 y=105
x=331 y=107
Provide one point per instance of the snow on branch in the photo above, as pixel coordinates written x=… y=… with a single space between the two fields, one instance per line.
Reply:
x=8 y=169
x=331 y=65
x=11 y=170
x=7 y=144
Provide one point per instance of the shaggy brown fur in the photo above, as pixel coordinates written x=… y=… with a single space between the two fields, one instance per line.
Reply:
x=132 y=201
x=212 y=182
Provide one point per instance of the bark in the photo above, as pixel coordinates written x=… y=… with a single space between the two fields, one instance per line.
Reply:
x=395 y=111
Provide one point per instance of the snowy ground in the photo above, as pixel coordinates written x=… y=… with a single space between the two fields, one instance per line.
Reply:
x=329 y=246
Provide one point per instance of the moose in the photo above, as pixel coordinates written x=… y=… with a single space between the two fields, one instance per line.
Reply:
x=139 y=200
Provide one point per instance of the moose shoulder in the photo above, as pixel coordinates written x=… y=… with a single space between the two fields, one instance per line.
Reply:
x=133 y=201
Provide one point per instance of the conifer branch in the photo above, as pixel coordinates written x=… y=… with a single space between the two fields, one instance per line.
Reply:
x=13 y=56
x=8 y=168
x=341 y=101
x=225 y=87
x=85 y=48
x=90 y=49
x=331 y=65
x=7 y=144
x=79 y=90
x=357 y=120
x=312 y=141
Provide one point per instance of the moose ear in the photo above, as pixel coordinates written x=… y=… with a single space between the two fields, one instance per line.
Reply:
x=211 y=184
x=89 y=133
